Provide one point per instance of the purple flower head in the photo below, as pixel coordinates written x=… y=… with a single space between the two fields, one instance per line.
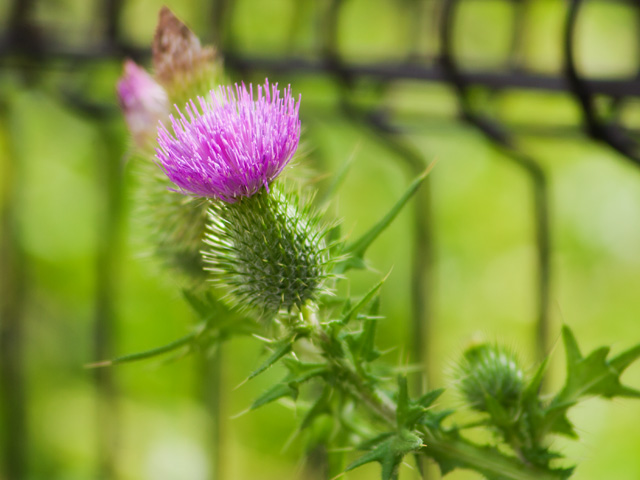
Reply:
x=233 y=145
x=143 y=102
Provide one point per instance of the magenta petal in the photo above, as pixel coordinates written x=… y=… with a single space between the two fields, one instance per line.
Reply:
x=230 y=145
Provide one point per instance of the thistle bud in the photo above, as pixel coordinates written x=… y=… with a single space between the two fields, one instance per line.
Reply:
x=490 y=371
x=266 y=252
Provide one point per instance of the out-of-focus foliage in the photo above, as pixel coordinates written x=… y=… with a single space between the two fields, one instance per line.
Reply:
x=483 y=243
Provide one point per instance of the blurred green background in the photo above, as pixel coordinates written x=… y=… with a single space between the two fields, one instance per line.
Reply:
x=74 y=258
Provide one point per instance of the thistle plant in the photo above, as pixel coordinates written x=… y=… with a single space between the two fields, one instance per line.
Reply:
x=264 y=248
x=273 y=263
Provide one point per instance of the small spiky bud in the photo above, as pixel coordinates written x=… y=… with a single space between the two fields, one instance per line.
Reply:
x=490 y=371
x=266 y=251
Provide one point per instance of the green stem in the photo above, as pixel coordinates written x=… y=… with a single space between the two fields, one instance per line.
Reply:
x=489 y=462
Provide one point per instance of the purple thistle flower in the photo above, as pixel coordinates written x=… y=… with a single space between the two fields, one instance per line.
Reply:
x=233 y=145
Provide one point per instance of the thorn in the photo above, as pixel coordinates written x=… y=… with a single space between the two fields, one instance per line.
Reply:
x=289 y=441
x=238 y=415
x=103 y=363
x=408 y=465
x=389 y=350
x=240 y=384
x=429 y=168
x=263 y=339
x=340 y=449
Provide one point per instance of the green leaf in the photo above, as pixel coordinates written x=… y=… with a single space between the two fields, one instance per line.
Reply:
x=333 y=240
x=202 y=305
x=563 y=426
x=279 y=390
x=300 y=372
x=321 y=406
x=362 y=343
x=500 y=416
x=626 y=358
x=594 y=374
x=533 y=388
x=154 y=352
x=428 y=398
x=433 y=418
x=281 y=349
x=346 y=317
x=591 y=375
x=355 y=251
x=364 y=347
x=404 y=407
x=390 y=452
x=411 y=412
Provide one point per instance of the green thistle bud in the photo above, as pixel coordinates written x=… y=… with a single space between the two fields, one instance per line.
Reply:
x=490 y=371
x=266 y=251
x=174 y=225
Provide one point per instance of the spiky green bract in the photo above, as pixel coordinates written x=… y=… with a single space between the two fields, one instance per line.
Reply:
x=174 y=224
x=267 y=251
x=490 y=373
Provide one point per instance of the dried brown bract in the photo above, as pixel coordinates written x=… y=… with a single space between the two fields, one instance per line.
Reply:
x=177 y=52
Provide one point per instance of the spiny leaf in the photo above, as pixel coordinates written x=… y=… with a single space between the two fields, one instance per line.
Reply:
x=300 y=372
x=373 y=442
x=333 y=241
x=363 y=301
x=409 y=413
x=279 y=390
x=281 y=349
x=154 y=352
x=428 y=398
x=626 y=358
x=533 y=387
x=200 y=305
x=563 y=426
x=594 y=374
x=362 y=344
x=500 y=415
x=433 y=418
x=355 y=251
x=586 y=376
x=390 y=452
x=321 y=406
x=404 y=406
